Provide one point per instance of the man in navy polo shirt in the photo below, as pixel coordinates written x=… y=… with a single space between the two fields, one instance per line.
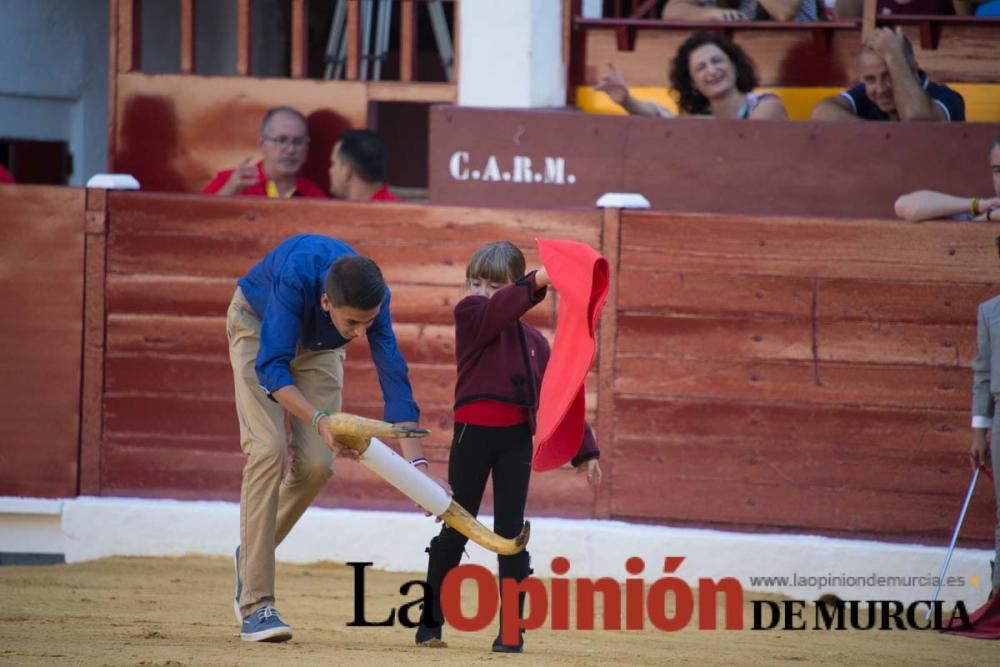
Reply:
x=892 y=87
x=287 y=326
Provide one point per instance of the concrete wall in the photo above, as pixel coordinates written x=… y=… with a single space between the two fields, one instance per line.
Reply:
x=53 y=77
x=511 y=54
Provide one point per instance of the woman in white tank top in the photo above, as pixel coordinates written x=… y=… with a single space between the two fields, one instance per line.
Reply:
x=710 y=77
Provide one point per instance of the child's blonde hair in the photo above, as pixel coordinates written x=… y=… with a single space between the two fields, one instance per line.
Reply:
x=500 y=261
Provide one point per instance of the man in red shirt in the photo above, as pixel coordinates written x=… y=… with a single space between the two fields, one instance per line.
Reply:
x=5 y=176
x=357 y=168
x=283 y=144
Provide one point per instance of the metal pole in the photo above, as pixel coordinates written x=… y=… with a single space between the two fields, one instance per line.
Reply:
x=367 y=7
x=954 y=538
x=335 y=41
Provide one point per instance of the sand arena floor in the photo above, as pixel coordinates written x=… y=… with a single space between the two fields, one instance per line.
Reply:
x=172 y=612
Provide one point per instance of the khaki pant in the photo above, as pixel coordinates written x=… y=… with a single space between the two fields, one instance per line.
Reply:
x=270 y=502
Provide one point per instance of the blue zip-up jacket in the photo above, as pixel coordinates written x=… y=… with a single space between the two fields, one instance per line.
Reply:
x=285 y=288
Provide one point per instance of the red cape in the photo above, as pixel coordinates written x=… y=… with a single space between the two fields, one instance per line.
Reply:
x=984 y=623
x=581 y=277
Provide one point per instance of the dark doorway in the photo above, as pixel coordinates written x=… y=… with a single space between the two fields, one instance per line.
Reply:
x=37 y=162
x=403 y=127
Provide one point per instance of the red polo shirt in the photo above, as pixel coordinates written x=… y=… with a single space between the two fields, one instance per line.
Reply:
x=5 y=176
x=303 y=186
x=383 y=194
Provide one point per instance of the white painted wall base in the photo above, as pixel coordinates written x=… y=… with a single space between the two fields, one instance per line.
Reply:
x=91 y=528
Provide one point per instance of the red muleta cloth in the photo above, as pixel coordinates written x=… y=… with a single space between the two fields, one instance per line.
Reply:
x=984 y=623
x=581 y=277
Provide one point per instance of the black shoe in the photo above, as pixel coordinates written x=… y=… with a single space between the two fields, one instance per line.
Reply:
x=430 y=637
x=500 y=647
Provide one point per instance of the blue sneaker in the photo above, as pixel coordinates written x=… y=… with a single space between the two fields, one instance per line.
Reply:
x=264 y=625
x=239 y=587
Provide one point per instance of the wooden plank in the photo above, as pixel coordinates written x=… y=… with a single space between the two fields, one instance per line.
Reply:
x=41 y=341
x=722 y=293
x=910 y=301
x=741 y=338
x=250 y=218
x=914 y=344
x=607 y=342
x=803 y=247
x=915 y=431
x=353 y=37
x=128 y=36
x=299 y=58
x=873 y=514
x=155 y=472
x=187 y=31
x=784 y=464
x=151 y=401
x=401 y=91
x=160 y=335
x=134 y=294
x=407 y=40
x=440 y=264
x=243 y=45
x=436 y=448
x=869 y=10
x=825 y=383
x=91 y=417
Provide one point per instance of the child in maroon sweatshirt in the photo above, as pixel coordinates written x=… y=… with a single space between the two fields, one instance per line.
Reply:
x=501 y=361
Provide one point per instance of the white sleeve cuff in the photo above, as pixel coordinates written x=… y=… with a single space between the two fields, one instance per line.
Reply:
x=982 y=422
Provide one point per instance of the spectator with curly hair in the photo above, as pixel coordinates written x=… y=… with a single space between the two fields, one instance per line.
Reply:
x=711 y=77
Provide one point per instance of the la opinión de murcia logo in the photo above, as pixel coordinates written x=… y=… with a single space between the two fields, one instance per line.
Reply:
x=520 y=169
x=641 y=603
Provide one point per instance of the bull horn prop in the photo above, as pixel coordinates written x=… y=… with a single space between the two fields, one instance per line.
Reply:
x=362 y=435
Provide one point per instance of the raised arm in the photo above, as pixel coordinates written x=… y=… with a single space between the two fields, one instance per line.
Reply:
x=912 y=101
x=480 y=319
x=614 y=85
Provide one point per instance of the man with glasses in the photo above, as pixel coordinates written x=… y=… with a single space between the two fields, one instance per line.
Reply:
x=283 y=144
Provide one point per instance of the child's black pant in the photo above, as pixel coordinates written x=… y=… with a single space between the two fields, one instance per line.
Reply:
x=477 y=451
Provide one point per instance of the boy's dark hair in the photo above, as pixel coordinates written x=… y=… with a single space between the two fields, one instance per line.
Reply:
x=365 y=152
x=998 y=245
x=500 y=262
x=688 y=97
x=356 y=282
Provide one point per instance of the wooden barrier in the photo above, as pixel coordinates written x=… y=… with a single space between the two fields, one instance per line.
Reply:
x=42 y=299
x=758 y=373
x=169 y=423
x=563 y=159
x=783 y=373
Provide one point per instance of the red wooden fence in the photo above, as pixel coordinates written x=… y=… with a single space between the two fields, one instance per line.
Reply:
x=756 y=373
